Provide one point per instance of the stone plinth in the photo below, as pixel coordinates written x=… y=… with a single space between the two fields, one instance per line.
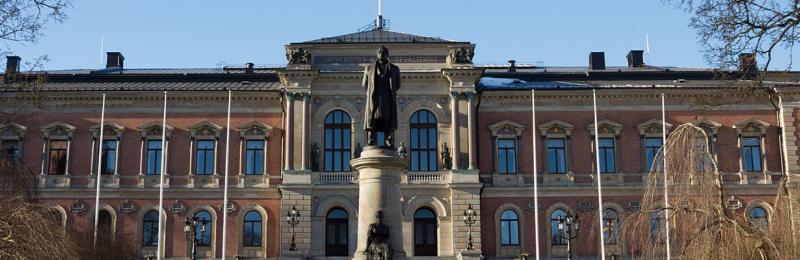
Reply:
x=379 y=172
x=469 y=255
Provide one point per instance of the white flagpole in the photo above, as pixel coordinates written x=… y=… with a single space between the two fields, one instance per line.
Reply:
x=599 y=179
x=161 y=180
x=99 y=165
x=535 y=174
x=225 y=189
x=664 y=164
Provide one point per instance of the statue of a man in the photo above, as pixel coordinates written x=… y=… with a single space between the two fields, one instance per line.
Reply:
x=381 y=81
x=379 y=246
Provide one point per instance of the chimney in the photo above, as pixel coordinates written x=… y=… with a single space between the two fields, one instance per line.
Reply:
x=12 y=65
x=248 y=68
x=597 y=60
x=114 y=60
x=747 y=62
x=513 y=66
x=635 y=58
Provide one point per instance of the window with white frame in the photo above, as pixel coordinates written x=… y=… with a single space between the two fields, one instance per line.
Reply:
x=506 y=136
x=509 y=228
x=205 y=136
x=11 y=140
x=556 y=135
x=608 y=132
x=254 y=136
x=751 y=144
x=153 y=149
x=57 y=141
x=108 y=156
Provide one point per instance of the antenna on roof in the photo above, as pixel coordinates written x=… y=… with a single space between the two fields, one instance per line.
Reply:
x=379 y=19
x=647 y=49
x=101 y=49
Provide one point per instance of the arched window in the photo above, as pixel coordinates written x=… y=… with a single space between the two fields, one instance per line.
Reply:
x=758 y=216
x=555 y=235
x=336 y=233
x=423 y=142
x=104 y=225
x=204 y=223
x=509 y=228
x=337 y=142
x=425 y=233
x=150 y=229
x=610 y=226
x=252 y=229
x=656 y=224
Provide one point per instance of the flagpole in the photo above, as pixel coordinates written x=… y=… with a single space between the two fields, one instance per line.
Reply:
x=161 y=180
x=599 y=179
x=225 y=189
x=664 y=164
x=99 y=165
x=535 y=173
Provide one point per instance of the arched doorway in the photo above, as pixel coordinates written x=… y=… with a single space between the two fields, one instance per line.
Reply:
x=425 y=234
x=336 y=225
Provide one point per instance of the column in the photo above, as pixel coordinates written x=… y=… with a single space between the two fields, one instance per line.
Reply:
x=471 y=128
x=454 y=96
x=289 y=131
x=304 y=147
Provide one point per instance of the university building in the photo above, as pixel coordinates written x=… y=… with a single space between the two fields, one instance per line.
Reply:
x=466 y=128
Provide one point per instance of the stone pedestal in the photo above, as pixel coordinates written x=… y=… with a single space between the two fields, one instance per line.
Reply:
x=379 y=173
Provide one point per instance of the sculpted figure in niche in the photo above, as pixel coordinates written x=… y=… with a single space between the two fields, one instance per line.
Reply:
x=381 y=82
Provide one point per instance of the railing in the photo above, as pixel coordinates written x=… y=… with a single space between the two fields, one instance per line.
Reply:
x=425 y=177
x=336 y=177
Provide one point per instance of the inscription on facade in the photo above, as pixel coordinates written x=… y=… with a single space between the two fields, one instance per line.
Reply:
x=371 y=59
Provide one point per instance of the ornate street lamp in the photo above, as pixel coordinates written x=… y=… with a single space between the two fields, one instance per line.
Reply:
x=293 y=218
x=470 y=217
x=568 y=228
x=191 y=231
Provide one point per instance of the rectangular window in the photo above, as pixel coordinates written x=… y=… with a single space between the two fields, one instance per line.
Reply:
x=607 y=156
x=506 y=156
x=556 y=155
x=153 y=157
x=11 y=148
x=109 y=157
x=651 y=147
x=751 y=154
x=57 y=157
x=254 y=156
x=205 y=157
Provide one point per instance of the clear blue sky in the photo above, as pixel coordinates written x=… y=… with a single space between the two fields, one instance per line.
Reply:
x=192 y=34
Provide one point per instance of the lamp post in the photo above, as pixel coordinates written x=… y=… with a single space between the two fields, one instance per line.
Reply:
x=470 y=217
x=190 y=228
x=568 y=228
x=293 y=218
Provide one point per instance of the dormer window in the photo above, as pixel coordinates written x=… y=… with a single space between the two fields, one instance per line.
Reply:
x=109 y=158
x=152 y=147
x=205 y=136
x=751 y=144
x=57 y=138
x=11 y=140
x=254 y=137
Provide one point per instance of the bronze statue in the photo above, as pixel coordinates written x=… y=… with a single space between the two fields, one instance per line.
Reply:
x=447 y=161
x=379 y=246
x=315 y=154
x=381 y=81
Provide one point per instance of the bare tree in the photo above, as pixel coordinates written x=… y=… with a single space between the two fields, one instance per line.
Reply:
x=728 y=28
x=23 y=21
x=702 y=225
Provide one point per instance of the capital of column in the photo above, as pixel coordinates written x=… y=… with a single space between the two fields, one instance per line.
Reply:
x=470 y=95
x=291 y=96
x=454 y=96
x=306 y=96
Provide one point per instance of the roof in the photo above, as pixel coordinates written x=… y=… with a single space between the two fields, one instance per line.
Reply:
x=379 y=36
x=155 y=86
